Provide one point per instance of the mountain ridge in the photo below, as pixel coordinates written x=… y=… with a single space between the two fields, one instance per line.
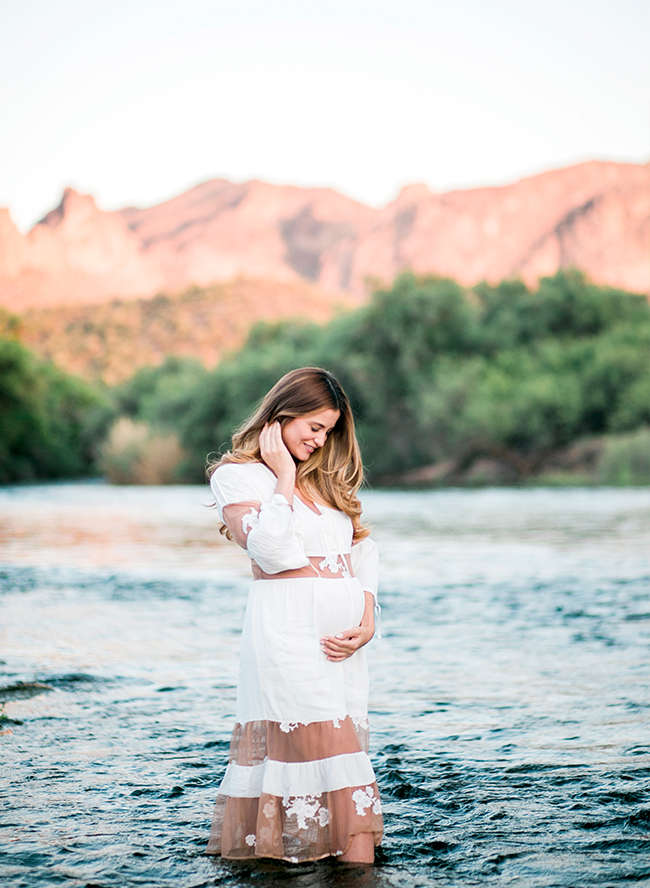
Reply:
x=594 y=216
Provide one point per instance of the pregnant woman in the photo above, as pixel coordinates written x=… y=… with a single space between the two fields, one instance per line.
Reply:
x=299 y=784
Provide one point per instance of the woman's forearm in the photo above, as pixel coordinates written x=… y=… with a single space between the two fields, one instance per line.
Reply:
x=368 y=618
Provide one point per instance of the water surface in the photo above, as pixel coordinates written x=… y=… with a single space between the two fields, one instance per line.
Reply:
x=510 y=693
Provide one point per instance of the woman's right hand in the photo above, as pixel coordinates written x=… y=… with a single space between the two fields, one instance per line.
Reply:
x=275 y=453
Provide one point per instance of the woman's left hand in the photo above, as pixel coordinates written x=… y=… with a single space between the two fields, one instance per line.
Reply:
x=341 y=646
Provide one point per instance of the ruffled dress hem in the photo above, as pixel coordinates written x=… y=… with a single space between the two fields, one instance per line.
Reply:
x=295 y=793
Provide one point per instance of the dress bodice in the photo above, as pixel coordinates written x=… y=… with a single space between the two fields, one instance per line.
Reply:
x=326 y=532
x=279 y=536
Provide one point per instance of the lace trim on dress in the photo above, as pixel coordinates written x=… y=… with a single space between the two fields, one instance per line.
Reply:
x=248 y=521
x=296 y=829
x=359 y=724
x=366 y=798
x=242 y=518
x=331 y=563
x=297 y=795
x=327 y=568
x=287 y=727
x=305 y=808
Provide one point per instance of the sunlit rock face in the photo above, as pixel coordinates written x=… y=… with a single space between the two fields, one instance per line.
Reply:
x=76 y=254
x=594 y=216
x=219 y=231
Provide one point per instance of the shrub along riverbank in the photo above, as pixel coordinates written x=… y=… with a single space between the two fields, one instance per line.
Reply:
x=493 y=385
x=50 y=422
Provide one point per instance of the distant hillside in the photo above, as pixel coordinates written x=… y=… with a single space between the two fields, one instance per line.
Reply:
x=594 y=216
x=112 y=340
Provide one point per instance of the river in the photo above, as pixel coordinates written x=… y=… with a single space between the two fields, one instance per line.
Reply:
x=510 y=693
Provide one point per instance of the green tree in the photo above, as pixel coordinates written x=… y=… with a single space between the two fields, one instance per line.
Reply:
x=435 y=373
x=50 y=422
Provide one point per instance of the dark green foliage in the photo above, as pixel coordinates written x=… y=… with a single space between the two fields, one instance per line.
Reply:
x=434 y=373
x=158 y=395
x=565 y=305
x=49 y=421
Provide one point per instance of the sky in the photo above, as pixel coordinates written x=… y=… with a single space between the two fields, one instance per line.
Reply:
x=134 y=101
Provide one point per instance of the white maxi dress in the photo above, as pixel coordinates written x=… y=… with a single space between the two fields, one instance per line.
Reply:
x=299 y=783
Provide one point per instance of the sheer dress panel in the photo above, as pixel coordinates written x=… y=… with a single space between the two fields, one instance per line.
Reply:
x=246 y=523
x=296 y=793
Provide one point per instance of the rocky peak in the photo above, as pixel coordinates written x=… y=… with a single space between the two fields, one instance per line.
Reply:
x=595 y=216
x=72 y=204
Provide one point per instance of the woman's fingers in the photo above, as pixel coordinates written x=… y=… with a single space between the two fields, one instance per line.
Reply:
x=273 y=449
x=271 y=437
x=345 y=644
x=341 y=646
x=337 y=656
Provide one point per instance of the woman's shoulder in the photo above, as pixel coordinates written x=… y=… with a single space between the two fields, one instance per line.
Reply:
x=238 y=482
x=243 y=469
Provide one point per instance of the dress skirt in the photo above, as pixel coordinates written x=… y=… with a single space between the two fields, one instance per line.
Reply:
x=299 y=783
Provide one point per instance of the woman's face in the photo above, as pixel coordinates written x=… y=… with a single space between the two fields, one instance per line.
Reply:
x=304 y=434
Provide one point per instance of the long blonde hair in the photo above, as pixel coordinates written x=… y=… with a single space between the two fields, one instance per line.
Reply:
x=333 y=473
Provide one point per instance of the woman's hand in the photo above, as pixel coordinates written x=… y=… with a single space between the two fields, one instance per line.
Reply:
x=277 y=457
x=341 y=646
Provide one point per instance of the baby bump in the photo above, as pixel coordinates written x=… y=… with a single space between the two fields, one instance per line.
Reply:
x=338 y=605
x=286 y=619
x=284 y=675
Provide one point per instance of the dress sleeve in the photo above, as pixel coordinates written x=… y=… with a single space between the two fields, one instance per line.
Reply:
x=365 y=564
x=262 y=522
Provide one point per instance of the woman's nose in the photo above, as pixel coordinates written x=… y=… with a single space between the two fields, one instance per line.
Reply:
x=319 y=440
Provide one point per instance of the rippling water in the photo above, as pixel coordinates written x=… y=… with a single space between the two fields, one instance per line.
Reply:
x=510 y=694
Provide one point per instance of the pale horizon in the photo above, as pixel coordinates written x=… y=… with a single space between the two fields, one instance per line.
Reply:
x=136 y=102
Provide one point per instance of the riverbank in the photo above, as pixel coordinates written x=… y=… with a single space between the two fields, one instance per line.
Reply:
x=610 y=460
